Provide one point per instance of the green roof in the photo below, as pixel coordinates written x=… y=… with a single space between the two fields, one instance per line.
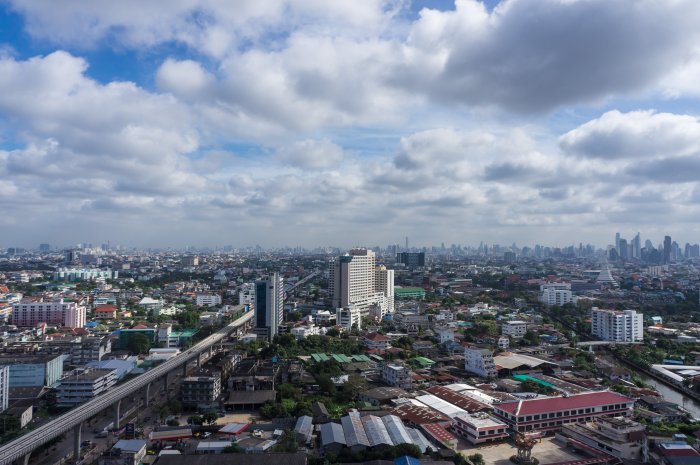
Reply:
x=424 y=361
x=530 y=378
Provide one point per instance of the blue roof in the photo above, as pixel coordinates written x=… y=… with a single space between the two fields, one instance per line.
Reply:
x=91 y=324
x=406 y=460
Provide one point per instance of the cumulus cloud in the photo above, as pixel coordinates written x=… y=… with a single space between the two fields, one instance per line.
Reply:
x=636 y=134
x=311 y=154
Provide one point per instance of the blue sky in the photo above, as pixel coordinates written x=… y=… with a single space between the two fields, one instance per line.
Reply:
x=307 y=122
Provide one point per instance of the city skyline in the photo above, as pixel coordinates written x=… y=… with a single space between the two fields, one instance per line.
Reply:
x=351 y=123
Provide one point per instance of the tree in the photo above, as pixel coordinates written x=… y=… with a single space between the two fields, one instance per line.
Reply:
x=210 y=417
x=531 y=338
x=139 y=343
x=477 y=459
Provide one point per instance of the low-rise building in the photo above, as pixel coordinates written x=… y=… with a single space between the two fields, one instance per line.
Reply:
x=479 y=428
x=480 y=362
x=125 y=452
x=34 y=370
x=551 y=413
x=620 y=437
x=515 y=329
x=376 y=341
x=208 y=300
x=202 y=390
x=90 y=349
x=75 y=390
x=397 y=375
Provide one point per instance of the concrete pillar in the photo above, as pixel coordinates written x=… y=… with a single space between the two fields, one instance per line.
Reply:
x=211 y=351
x=198 y=357
x=23 y=460
x=184 y=370
x=148 y=394
x=117 y=413
x=77 y=429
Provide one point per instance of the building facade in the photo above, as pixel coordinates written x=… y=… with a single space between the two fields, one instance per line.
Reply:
x=269 y=306
x=208 y=300
x=397 y=376
x=30 y=312
x=552 y=413
x=356 y=282
x=203 y=390
x=75 y=390
x=480 y=362
x=515 y=329
x=618 y=326
x=479 y=428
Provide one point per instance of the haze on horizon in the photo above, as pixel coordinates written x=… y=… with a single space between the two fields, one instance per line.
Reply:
x=307 y=122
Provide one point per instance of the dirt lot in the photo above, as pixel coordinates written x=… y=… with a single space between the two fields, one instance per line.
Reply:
x=239 y=417
x=546 y=451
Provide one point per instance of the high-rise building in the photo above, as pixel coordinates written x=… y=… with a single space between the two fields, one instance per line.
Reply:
x=44 y=248
x=613 y=325
x=269 y=306
x=411 y=259
x=357 y=283
x=617 y=242
x=667 y=250
x=623 y=249
x=637 y=247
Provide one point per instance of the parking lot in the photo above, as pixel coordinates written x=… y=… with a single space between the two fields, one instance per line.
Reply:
x=546 y=451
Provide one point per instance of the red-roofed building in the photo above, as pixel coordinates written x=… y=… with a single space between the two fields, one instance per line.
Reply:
x=439 y=435
x=414 y=415
x=105 y=312
x=376 y=341
x=479 y=428
x=460 y=400
x=551 y=413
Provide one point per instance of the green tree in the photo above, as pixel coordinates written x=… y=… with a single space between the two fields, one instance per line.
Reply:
x=139 y=343
x=210 y=417
x=477 y=459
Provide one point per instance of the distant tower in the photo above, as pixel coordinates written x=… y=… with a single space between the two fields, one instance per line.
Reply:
x=667 y=250
x=406 y=242
x=269 y=306
x=617 y=242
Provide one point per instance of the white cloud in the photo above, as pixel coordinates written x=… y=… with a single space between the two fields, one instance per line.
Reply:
x=636 y=134
x=311 y=154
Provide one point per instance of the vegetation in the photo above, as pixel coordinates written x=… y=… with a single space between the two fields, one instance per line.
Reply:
x=139 y=344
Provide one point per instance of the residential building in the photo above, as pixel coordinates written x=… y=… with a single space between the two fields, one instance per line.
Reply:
x=269 y=306
x=30 y=312
x=347 y=317
x=551 y=413
x=208 y=300
x=559 y=297
x=618 y=436
x=105 y=312
x=90 y=349
x=376 y=341
x=355 y=281
x=125 y=335
x=397 y=375
x=34 y=370
x=515 y=329
x=84 y=274
x=4 y=387
x=618 y=326
x=302 y=332
x=202 y=390
x=445 y=334
x=480 y=362
x=479 y=428
x=75 y=390
x=190 y=261
x=246 y=296
x=150 y=304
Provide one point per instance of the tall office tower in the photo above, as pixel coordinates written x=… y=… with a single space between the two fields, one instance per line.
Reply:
x=353 y=281
x=269 y=306
x=613 y=325
x=667 y=249
x=406 y=242
x=623 y=249
x=637 y=247
x=617 y=242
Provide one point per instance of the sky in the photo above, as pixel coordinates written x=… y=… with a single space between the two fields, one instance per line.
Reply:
x=350 y=122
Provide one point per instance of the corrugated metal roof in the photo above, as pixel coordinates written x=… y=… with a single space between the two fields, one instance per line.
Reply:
x=354 y=431
x=304 y=425
x=376 y=431
x=332 y=433
x=396 y=429
x=419 y=440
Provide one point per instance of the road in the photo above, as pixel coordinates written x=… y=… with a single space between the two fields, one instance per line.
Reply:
x=27 y=443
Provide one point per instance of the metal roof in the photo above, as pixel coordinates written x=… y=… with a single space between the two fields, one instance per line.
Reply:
x=354 y=431
x=332 y=433
x=376 y=431
x=304 y=425
x=396 y=429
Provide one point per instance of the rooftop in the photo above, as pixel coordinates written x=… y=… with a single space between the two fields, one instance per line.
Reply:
x=554 y=404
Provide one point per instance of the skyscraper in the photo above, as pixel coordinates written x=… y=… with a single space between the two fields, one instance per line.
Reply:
x=637 y=247
x=269 y=306
x=667 y=250
x=617 y=243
